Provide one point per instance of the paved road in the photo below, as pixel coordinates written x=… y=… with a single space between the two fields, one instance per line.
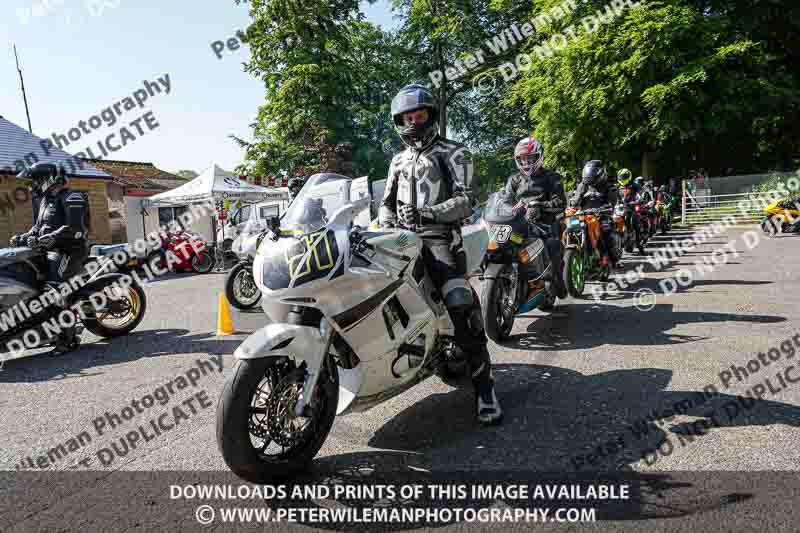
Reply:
x=577 y=385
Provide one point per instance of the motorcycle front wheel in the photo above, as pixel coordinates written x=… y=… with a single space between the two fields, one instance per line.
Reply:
x=203 y=262
x=260 y=437
x=498 y=319
x=770 y=226
x=574 y=272
x=240 y=287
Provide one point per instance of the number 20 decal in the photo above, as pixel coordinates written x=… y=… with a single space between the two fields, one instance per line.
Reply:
x=323 y=258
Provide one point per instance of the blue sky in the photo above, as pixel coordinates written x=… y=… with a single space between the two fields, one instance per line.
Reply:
x=78 y=62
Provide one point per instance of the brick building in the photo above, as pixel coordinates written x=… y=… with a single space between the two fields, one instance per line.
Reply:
x=18 y=149
x=132 y=180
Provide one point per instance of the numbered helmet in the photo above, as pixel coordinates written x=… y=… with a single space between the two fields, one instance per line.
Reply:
x=624 y=177
x=529 y=156
x=44 y=176
x=594 y=172
x=414 y=98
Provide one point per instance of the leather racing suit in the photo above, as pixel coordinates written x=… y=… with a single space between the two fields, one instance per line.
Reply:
x=438 y=179
x=596 y=196
x=62 y=217
x=545 y=187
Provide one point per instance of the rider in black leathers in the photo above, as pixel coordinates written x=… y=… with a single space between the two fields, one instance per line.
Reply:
x=534 y=183
x=429 y=191
x=61 y=229
x=61 y=221
x=595 y=192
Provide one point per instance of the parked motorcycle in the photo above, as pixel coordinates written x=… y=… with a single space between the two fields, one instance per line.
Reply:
x=651 y=215
x=581 y=254
x=782 y=216
x=28 y=305
x=353 y=320
x=619 y=235
x=664 y=216
x=517 y=272
x=636 y=224
x=240 y=287
x=192 y=253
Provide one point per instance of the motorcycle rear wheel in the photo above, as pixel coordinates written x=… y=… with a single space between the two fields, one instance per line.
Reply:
x=128 y=309
x=493 y=300
x=255 y=412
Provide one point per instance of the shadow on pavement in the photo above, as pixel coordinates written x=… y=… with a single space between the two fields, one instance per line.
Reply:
x=556 y=420
x=578 y=327
x=89 y=358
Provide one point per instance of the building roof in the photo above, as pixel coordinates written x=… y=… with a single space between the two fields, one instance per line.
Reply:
x=19 y=148
x=138 y=175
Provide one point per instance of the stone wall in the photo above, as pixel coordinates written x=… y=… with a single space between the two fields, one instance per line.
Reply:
x=16 y=210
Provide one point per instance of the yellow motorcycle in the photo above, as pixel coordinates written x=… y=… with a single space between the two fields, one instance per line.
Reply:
x=782 y=216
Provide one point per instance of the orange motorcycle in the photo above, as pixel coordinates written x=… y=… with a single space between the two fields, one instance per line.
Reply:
x=582 y=259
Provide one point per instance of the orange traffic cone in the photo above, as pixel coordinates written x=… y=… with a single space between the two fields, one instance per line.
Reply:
x=224 y=322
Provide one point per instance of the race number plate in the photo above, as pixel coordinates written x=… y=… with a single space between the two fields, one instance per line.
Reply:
x=501 y=234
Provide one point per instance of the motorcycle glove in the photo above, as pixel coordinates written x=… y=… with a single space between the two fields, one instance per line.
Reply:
x=46 y=241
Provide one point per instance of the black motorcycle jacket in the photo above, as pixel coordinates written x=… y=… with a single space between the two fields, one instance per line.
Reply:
x=546 y=187
x=439 y=177
x=594 y=196
x=65 y=217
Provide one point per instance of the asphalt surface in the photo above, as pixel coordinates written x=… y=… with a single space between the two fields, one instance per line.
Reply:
x=577 y=385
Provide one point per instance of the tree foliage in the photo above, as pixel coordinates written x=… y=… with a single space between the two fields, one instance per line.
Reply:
x=697 y=83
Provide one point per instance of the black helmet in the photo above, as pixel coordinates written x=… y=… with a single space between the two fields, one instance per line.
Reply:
x=295 y=184
x=44 y=176
x=593 y=172
x=412 y=98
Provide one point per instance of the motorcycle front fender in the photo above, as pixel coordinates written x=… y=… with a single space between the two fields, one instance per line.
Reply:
x=303 y=344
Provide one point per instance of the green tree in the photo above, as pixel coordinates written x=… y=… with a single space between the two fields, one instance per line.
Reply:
x=187 y=174
x=328 y=76
x=694 y=81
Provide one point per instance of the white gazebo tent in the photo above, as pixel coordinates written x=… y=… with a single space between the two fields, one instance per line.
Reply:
x=214 y=184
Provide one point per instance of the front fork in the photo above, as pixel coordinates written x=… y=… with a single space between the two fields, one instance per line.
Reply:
x=513 y=292
x=314 y=362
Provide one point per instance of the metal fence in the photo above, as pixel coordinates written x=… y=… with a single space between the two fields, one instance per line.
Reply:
x=747 y=208
x=720 y=197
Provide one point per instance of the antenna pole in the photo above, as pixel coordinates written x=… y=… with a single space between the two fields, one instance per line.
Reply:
x=22 y=84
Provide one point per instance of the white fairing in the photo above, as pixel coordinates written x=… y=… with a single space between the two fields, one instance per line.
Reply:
x=373 y=302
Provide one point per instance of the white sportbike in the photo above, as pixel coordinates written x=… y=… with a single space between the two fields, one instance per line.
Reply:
x=353 y=320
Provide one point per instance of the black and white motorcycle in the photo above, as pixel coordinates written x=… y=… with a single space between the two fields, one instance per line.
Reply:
x=240 y=287
x=353 y=320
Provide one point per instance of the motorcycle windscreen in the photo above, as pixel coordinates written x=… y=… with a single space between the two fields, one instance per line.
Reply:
x=499 y=209
x=291 y=262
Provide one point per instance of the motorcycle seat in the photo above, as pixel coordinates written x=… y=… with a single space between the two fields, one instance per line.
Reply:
x=17 y=254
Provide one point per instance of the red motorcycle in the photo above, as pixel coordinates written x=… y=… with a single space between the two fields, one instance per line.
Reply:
x=190 y=250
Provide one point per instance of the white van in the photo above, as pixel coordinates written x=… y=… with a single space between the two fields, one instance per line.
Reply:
x=249 y=216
